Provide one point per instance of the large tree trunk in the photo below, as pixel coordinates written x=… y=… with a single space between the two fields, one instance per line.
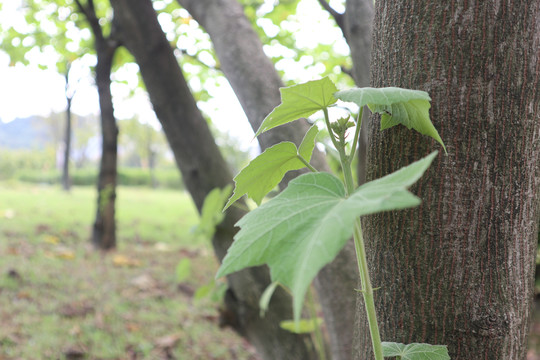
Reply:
x=459 y=269
x=203 y=169
x=256 y=83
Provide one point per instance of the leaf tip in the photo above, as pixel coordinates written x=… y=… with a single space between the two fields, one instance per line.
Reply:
x=231 y=201
x=222 y=271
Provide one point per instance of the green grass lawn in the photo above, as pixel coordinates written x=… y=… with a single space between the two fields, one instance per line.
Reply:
x=60 y=299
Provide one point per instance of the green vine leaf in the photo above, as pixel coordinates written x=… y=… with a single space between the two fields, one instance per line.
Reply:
x=265 y=172
x=415 y=351
x=211 y=213
x=299 y=101
x=396 y=106
x=303 y=228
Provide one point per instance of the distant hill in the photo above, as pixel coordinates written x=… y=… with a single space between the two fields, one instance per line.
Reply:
x=28 y=133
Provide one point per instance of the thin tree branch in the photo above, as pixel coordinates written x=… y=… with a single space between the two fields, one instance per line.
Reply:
x=199 y=61
x=347 y=71
x=90 y=14
x=340 y=20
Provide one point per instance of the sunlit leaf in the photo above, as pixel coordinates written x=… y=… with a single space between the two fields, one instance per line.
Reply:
x=415 y=351
x=303 y=326
x=396 y=106
x=303 y=228
x=211 y=212
x=204 y=290
x=300 y=101
x=266 y=171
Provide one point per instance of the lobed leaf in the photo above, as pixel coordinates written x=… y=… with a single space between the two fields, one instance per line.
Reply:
x=396 y=106
x=415 y=351
x=303 y=228
x=266 y=171
x=299 y=101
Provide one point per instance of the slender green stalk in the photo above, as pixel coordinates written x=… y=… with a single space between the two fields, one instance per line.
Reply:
x=357 y=133
x=367 y=289
x=327 y=121
x=319 y=340
x=301 y=158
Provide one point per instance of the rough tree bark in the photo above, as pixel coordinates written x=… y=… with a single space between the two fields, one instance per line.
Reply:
x=256 y=83
x=459 y=269
x=104 y=229
x=204 y=169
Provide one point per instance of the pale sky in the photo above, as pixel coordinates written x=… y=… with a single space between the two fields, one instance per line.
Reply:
x=28 y=90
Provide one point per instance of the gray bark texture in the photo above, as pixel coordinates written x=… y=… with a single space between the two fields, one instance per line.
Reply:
x=459 y=269
x=204 y=169
x=256 y=83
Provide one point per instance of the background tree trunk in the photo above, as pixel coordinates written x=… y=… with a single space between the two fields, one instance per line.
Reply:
x=204 y=169
x=104 y=229
x=459 y=269
x=66 y=181
x=256 y=83
x=69 y=93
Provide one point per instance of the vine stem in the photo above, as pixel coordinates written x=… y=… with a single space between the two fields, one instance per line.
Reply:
x=367 y=289
x=319 y=339
x=308 y=165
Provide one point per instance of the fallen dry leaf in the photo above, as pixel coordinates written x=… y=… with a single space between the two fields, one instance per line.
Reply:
x=23 y=295
x=124 y=261
x=132 y=327
x=51 y=239
x=144 y=282
x=162 y=247
x=12 y=250
x=168 y=341
x=61 y=252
